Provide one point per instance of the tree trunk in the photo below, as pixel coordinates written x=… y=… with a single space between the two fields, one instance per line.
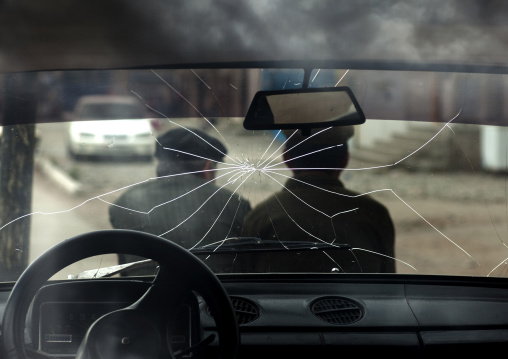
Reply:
x=17 y=146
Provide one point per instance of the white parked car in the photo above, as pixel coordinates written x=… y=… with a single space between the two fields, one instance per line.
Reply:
x=110 y=126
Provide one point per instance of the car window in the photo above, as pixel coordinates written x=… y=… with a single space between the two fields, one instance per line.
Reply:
x=422 y=176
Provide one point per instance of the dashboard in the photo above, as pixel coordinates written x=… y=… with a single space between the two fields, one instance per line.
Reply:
x=297 y=315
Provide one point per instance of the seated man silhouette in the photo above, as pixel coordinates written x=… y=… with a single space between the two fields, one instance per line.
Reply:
x=183 y=204
x=315 y=206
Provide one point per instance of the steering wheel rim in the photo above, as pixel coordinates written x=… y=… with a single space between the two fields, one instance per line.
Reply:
x=168 y=254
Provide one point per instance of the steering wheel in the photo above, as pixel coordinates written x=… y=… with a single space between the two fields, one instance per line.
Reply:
x=138 y=331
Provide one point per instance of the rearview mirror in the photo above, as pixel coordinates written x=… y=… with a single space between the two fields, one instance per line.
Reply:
x=303 y=109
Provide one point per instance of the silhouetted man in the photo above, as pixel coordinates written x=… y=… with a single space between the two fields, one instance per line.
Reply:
x=183 y=204
x=315 y=206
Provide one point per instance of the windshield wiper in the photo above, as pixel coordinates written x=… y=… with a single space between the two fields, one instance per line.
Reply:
x=230 y=245
x=253 y=244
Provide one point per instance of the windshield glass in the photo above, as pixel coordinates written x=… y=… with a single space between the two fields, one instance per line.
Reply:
x=419 y=188
x=108 y=111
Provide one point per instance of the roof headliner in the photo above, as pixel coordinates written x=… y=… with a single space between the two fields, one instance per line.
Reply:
x=75 y=34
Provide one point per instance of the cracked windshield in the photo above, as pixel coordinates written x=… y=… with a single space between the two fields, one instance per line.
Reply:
x=419 y=188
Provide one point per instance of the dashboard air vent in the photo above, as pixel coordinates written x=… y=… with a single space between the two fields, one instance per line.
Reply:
x=336 y=310
x=246 y=311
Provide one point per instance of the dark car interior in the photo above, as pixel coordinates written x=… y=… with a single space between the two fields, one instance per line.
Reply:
x=253 y=74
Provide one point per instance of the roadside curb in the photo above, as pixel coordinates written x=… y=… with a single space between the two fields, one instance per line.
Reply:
x=70 y=185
